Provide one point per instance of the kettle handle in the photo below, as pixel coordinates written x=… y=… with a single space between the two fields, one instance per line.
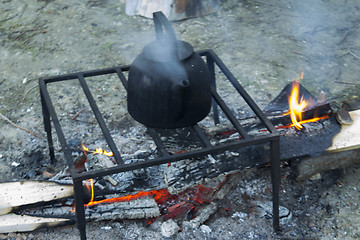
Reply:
x=163 y=27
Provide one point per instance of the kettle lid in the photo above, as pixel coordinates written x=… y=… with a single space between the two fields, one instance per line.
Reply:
x=163 y=51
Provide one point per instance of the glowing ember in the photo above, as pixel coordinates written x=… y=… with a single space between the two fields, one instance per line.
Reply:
x=157 y=194
x=97 y=151
x=172 y=206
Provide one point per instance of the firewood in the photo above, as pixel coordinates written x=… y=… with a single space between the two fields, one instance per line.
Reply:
x=58 y=215
x=24 y=193
x=145 y=207
x=344 y=151
x=308 y=167
x=349 y=135
x=22 y=223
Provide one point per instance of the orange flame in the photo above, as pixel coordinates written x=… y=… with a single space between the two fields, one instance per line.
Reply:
x=171 y=206
x=97 y=151
x=91 y=189
x=297 y=106
x=157 y=194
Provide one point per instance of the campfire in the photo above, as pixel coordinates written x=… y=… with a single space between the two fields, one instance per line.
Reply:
x=225 y=149
x=98 y=175
x=297 y=106
x=180 y=197
x=187 y=164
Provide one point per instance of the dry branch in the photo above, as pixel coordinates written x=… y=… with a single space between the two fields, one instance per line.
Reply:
x=17 y=126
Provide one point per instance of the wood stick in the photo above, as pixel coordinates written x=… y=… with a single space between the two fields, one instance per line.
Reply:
x=24 y=193
x=29 y=90
x=23 y=223
x=17 y=126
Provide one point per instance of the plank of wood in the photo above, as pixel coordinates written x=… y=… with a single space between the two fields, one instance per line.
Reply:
x=21 y=193
x=23 y=223
x=349 y=135
x=344 y=151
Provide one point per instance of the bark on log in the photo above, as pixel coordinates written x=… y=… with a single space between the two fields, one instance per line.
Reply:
x=308 y=167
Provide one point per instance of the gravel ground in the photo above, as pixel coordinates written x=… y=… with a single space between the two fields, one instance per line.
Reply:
x=265 y=44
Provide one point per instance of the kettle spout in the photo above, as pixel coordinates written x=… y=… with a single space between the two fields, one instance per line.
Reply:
x=179 y=87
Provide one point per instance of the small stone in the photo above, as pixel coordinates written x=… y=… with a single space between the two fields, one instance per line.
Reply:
x=106 y=228
x=240 y=215
x=235 y=154
x=205 y=229
x=169 y=228
x=315 y=177
x=343 y=117
x=15 y=164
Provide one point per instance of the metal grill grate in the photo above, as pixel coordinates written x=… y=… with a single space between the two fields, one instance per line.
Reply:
x=49 y=114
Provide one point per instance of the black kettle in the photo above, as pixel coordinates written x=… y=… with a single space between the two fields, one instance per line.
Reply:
x=168 y=83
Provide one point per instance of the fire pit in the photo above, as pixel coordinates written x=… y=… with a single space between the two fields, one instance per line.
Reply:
x=270 y=136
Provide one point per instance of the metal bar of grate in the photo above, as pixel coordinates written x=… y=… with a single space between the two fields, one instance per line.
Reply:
x=49 y=107
x=202 y=136
x=159 y=144
x=241 y=91
x=120 y=74
x=229 y=114
x=47 y=124
x=198 y=153
x=211 y=67
x=100 y=119
x=275 y=180
x=79 y=208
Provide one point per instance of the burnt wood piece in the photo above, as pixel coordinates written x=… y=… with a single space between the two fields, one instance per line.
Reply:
x=343 y=152
x=59 y=215
x=314 y=139
x=281 y=102
x=280 y=105
x=145 y=207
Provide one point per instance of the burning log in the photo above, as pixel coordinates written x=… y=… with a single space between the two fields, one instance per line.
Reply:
x=142 y=208
x=142 y=205
x=60 y=214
